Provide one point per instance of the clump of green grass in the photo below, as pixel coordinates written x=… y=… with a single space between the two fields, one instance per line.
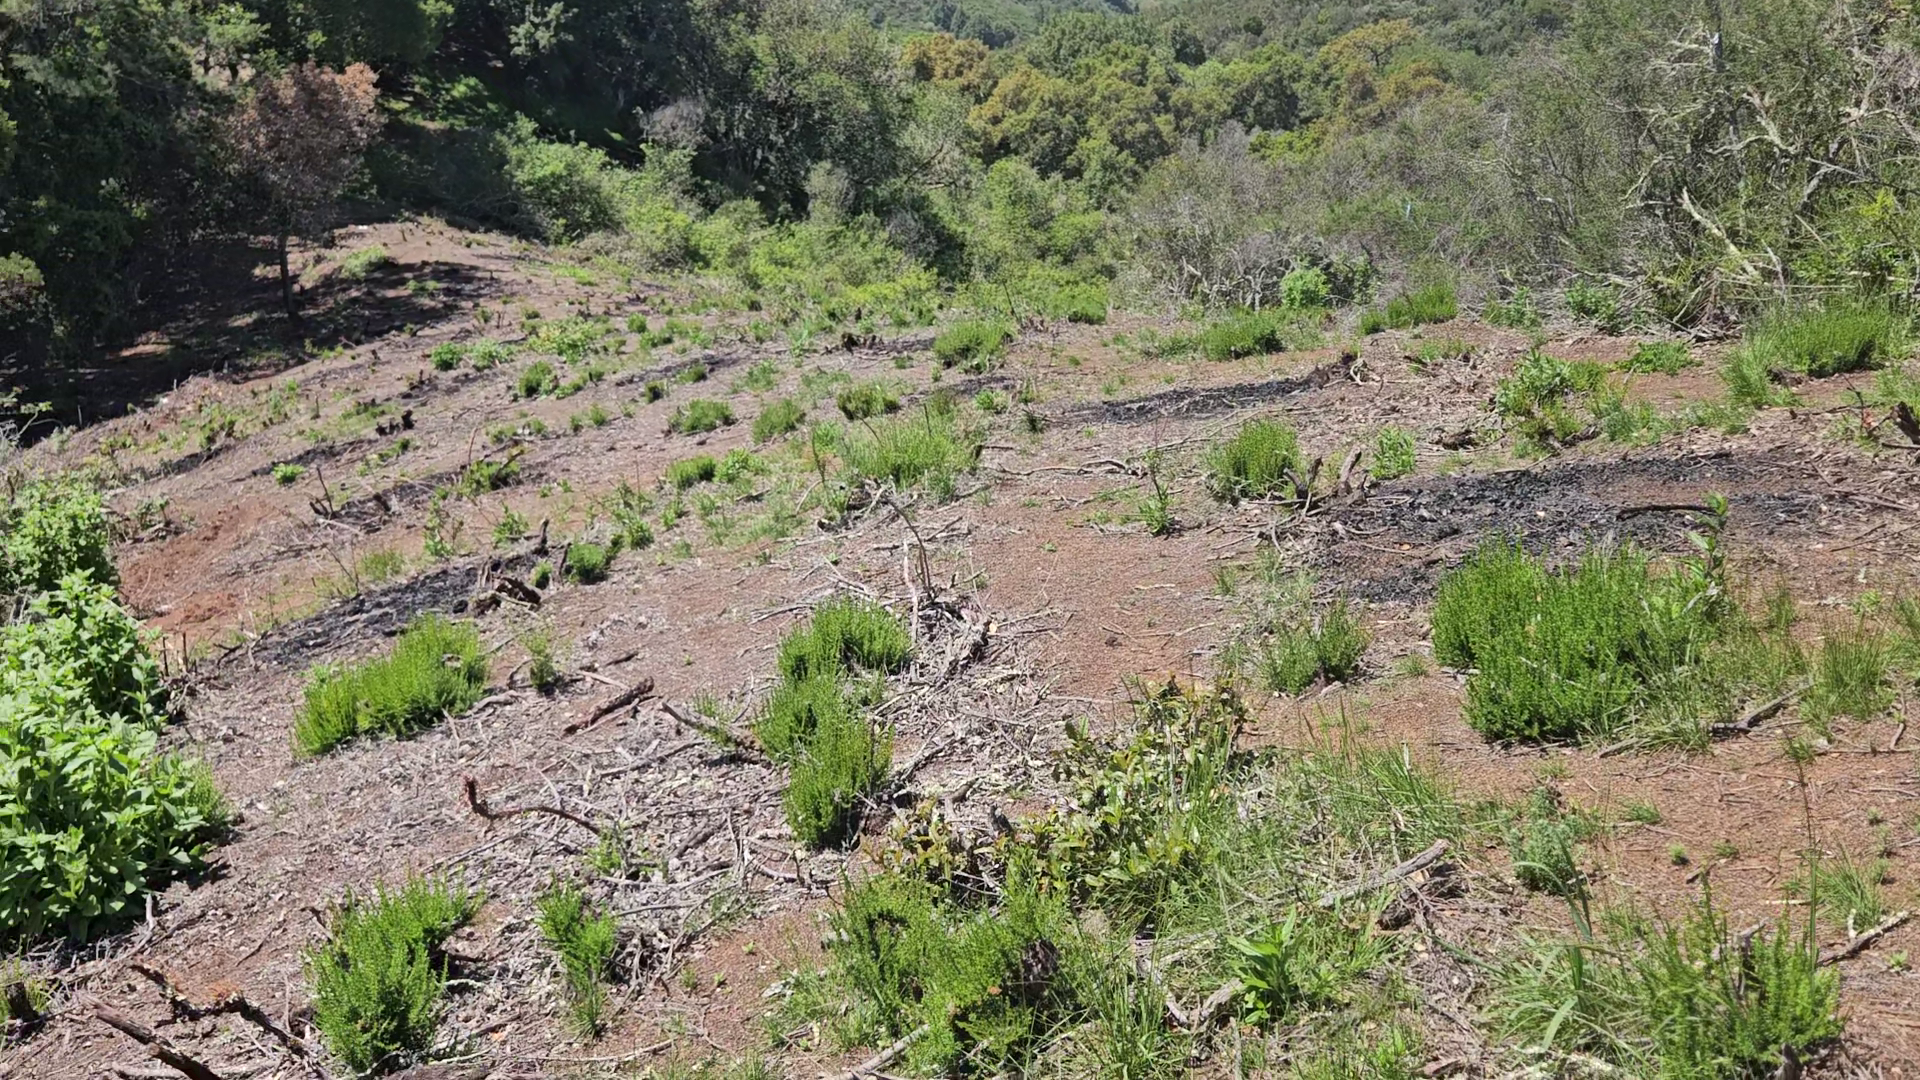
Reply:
x=1845 y=893
x=1434 y=303
x=378 y=979
x=1541 y=841
x=691 y=472
x=1850 y=676
x=487 y=475
x=699 y=416
x=1576 y=652
x=542 y=670
x=778 y=419
x=287 y=473
x=584 y=943
x=972 y=345
x=1393 y=454
x=436 y=669
x=1681 y=1000
x=1659 y=357
x=587 y=563
x=929 y=449
x=1829 y=341
x=844 y=759
x=868 y=399
x=1261 y=461
x=1316 y=648
x=448 y=356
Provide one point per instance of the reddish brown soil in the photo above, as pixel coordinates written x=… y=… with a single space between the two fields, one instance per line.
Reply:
x=239 y=572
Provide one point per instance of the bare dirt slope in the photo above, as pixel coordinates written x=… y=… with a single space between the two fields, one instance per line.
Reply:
x=254 y=582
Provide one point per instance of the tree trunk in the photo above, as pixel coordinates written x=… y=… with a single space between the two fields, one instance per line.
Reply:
x=286 y=280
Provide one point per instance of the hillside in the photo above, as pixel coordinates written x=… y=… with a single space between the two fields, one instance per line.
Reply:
x=1039 y=598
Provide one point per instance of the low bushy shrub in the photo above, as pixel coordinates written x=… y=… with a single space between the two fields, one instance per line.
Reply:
x=778 y=419
x=844 y=759
x=866 y=400
x=1569 y=653
x=699 y=416
x=1516 y=312
x=436 y=669
x=50 y=529
x=587 y=563
x=1829 y=341
x=378 y=978
x=1435 y=303
x=1393 y=454
x=844 y=636
x=1659 y=357
x=1314 y=648
x=1258 y=462
x=691 y=472
x=905 y=451
x=92 y=814
x=1247 y=334
x=971 y=345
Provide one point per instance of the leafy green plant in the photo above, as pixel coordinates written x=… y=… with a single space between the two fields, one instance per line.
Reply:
x=287 y=473
x=1541 y=842
x=584 y=943
x=971 y=345
x=537 y=380
x=51 y=529
x=1659 y=357
x=1393 y=454
x=448 y=356
x=93 y=813
x=1598 y=305
x=1253 y=334
x=436 y=669
x=488 y=475
x=777 y=419
x=1516 y=312
x=1261 y=461
x=1434 y=303
x=1533 y=399
x=1300 y=963
x=844 y=759
x=379 y=977
x=699 y=416
x=928 y=449
x=1308 y=649
x=364 y=263
x=542 y=671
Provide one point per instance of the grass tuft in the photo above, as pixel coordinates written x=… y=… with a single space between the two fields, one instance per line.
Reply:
x=584 y=943
x=972 y=345
x=778 y=419
x=699 y=416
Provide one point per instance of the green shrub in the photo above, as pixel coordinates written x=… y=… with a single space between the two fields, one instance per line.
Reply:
x=1682 y=1000
x=795 y=711
x=910 y=450
x=1300 y=964
x=738 y=464
x=364 y=263
x=378 y=978
x=436 y=669
x=691 y=472
x=1597 y=304
x=51 y=529
x=845 y=635
x=537 y=380
x=1516 y=312
x=778 y=419
x=971 y=345
x=868 y=399
x=1261 y=461
x=1569 y=653
x=1829 y=341
x=92 y=814
x=1247 y=334
x=1533 y=399
x=585 y=944
x=1659 y=357
x=1393 y=454
x=844 y=760
x=1083 y=304
x=1541 y=844
x=587 y=563
x=287 y=473
x=484 y=476
x=699 y=416
x=1306 y=288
